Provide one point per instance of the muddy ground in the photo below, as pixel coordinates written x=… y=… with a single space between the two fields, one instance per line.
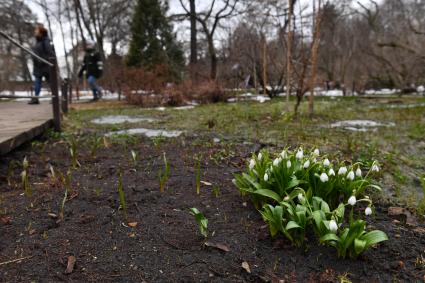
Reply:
x=165 y=245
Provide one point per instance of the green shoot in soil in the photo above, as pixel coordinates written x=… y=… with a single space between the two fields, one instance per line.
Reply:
x=134 y=157
x=25 y=179
x=96 y=143
x=73 y=152
x=62 y=209
x=121 y=195
x=198 y=177
x=216 y=191
x=163 y=175
x=67 y=180
x=201 y=220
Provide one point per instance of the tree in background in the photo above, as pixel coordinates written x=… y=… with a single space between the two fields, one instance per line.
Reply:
x=152 y=39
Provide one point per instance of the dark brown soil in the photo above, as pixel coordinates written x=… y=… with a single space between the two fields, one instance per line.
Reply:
x=166 y=245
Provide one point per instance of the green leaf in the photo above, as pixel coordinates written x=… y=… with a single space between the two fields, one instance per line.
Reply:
x=374 y=237
x=268 y=193
x=292 y=225
x=359 y=246
x=330 y=237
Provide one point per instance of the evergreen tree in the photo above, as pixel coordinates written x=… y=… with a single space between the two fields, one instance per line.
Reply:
x=153 y=41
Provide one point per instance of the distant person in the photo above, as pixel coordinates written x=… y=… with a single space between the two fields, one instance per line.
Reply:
x=44 y=49
x=93 y=66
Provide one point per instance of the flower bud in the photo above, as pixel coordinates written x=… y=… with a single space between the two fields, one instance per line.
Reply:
x=342 y=170
x=306 y=164
x=352 y=200
x=316 y=152
x=300 y=154
x=260 y=156
x=368 y=211
x=266 y=177
x=251 y=164
x=276 y=162
x=300 y=198
x=326 y=162
x=331 y=172
x=358 y=172
x=333 y=226
x=324 y=178
x=350 y=176
x=288 y=164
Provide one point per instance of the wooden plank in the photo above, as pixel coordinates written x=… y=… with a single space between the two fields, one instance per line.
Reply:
x=20 y=123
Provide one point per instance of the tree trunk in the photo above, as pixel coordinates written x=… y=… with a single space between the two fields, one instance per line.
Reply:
x=264 y=65
x=289 y=55
x=193 y=38
x=314 y=57
x=213 y=57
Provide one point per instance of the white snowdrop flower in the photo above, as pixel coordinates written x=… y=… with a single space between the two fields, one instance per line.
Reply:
x=342 y=170
x=301 y=197
x=283 y=154
x=288 y=164
x=326 y=162
x=375 y=168
x=276 y=162
x=286 y=198
x=316 y=152
x=352 y=200
x=266 y=177
x=251 y=164
x=368 y=211
x=260 y=156
x=350 y=175
x=306 y=164
x=300 y=154
x=324 y=178
x=333 y=226
x=358 y=172
x=331 y=172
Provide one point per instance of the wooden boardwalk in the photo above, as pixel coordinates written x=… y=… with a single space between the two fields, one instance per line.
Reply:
x=20 y=123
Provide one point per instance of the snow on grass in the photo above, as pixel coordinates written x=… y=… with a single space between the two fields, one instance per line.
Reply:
x=120 y=119
x=146 y=132
x=360 y=125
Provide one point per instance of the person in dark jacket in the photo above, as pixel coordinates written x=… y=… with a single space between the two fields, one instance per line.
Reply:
x=44 y=49
x=93 y=66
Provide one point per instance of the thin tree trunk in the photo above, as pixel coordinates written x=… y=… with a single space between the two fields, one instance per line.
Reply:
x=193 y=36
x=289 y=54
x=264 y=65
x=314 y=58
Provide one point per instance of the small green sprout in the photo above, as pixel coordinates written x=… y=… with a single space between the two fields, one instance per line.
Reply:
x=67 y=180
x=62 y=208
x=96 y=143
x=164 y=175
x=201 y=220
x=216 y=191
x=198 y=177
x=134 y=157
x=73 y=146
x=25 y=178
x=121 y=195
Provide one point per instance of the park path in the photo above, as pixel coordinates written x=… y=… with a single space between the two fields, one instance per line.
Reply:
x=20 y=123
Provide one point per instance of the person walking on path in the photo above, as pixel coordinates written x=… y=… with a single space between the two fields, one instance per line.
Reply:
x=44 y=49
x=93 y=66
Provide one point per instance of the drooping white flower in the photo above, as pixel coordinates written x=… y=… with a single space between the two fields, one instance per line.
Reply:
x=300 y=154
x=283 y=154
x=324 y=178
x=368 y=211
x=333 y=226
x=375 y=168
x=350 y=175
x=288 y=164
x=326 y=162
x=306 y=164
x=316 y=152
x=276 y=162
x=286 y=198
x=251 y=164
x=300 y=197
x=260 y=156
x=266 y=177
x=331 y=172
x=358 y=172
x=352 y=200
x=342 y=170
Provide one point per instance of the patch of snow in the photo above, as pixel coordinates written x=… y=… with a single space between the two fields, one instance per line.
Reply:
x=147 y=132
x=420 y=89
x=186 y=107
x=398 y=106
x=360 y=125
x=120 y=119
x=249 y=96
x=384 y=91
